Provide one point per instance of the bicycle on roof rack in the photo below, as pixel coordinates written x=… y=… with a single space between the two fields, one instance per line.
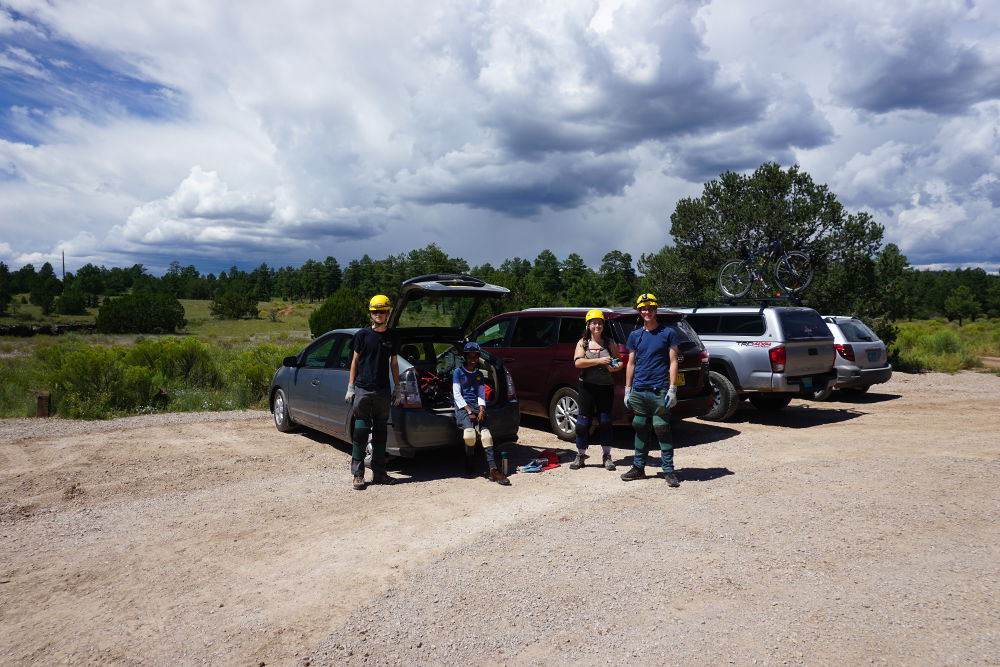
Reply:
x=792 y=270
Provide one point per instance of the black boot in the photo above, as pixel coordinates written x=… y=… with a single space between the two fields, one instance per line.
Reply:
x=635 y=472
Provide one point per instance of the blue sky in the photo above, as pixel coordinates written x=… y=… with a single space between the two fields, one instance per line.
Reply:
x=238 y=133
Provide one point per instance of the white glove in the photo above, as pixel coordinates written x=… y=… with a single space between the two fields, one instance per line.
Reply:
x=671 y=396
x=628 y=395
x=396 y=395
x=349 y=396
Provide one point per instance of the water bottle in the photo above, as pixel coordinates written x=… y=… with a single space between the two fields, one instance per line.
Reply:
x=504 y=463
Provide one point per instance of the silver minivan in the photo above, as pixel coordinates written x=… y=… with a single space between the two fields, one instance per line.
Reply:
x=431 y=317
x=862 y=359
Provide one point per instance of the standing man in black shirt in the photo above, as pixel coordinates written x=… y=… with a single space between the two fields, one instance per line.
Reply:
x=375 y=349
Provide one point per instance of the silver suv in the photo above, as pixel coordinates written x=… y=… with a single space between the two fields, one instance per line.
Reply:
x=767 y=354
x=862 y=359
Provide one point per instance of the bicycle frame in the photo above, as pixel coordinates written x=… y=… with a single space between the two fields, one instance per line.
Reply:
x=773 y=251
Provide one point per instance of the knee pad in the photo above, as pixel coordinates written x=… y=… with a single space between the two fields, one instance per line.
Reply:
x=604 y=419
x=469 y=436
x=640 y=425
x=582 y=427
x=486 y=436
x=361 y=430
x=661 y=430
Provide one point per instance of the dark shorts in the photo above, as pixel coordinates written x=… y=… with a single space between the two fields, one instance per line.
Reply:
x=464 y=421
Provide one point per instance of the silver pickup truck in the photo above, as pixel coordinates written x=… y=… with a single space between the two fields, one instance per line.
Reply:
x=767 y=354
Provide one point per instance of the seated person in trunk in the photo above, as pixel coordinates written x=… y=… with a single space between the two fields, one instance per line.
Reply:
x=469 y=392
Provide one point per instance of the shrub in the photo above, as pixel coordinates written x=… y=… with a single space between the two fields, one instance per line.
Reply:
x=234 y=305
x=71 y=302
x=933 y=345
x=187 y=361
x=344 y=309
x=252 y=370
x=141 y=312
x=95 y=382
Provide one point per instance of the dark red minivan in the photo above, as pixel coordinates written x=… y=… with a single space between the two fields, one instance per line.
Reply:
x=537 y=346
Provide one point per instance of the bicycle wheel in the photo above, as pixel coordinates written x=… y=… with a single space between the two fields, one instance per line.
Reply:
x=735 y=278
x=793 y=272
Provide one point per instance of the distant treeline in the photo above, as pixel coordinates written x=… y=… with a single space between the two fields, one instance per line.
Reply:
x=544 y=281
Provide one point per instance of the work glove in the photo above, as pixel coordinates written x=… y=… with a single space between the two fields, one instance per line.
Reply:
x=349 y=396
x=628 y=395
x=671 y=399
x=396 y=396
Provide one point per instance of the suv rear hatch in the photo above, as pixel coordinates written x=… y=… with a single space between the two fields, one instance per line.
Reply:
x=434 y=313
x=868 y=350
x=440 y=306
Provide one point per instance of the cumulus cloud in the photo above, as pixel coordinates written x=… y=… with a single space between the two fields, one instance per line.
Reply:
x=913 y=57
x=937 y=198
x=206 y=216
x=281 y=132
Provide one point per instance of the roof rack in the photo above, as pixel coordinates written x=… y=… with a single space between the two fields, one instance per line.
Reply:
x=783 y=299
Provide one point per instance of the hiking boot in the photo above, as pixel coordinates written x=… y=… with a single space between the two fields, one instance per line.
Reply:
x=635 y=472
x=609 y=463
x=383 y=478
x=577 y=462
x=359 y=483
x=499 y=477
x=672 y=480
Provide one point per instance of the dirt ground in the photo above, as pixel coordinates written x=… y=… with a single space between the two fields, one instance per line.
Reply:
x=861 y=530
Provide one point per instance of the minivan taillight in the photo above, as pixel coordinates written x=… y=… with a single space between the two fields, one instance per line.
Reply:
x=511 y=391
x=705 y=356
x=409 y=389
x=846 y=351
x=778 y=358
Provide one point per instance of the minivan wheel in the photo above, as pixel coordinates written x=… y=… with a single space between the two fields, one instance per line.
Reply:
x=563 y=409
x=724 y=398
x=770 y=401
x=282 y=421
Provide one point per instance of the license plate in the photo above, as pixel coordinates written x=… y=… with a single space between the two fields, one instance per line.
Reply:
x=807 y=383
x=874 y=355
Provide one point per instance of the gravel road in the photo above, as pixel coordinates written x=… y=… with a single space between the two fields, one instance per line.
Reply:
x=860 y=530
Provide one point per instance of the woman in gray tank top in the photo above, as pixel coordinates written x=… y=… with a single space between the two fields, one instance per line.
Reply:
x=597 y=358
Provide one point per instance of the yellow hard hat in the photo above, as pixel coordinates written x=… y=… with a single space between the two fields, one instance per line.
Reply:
x=594 y=315
x=380 y=302
x=644 y=300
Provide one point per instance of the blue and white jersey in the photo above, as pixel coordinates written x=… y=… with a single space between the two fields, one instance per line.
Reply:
x=468 y=387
